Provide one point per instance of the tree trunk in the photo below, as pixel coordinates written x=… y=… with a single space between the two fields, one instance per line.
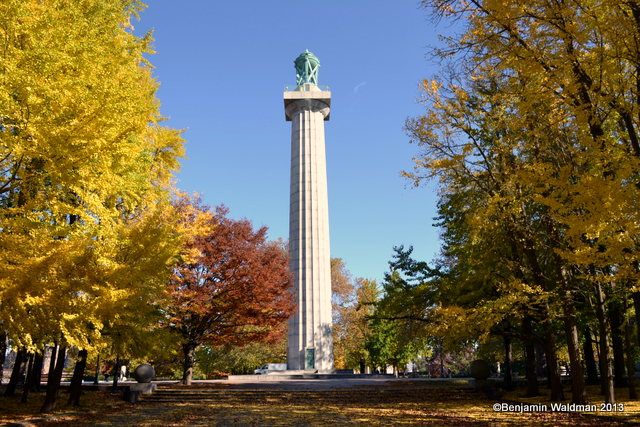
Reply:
x=508 y=375
x=3 y=352
x=28 y=379
x=36 y=378
x=52 y=361
x=578 y=393
x=629 y=350
x=541 y=362
x=636 y=306
x=553 y=373
x=530 y=358
x=95 y=380
x=75 y=388
x=116 y=375
x=15 y=373
x=589 y=358
x=602 y=367
x=606 y=367
x=616 y=318
x=187 y=368
x=53 y=383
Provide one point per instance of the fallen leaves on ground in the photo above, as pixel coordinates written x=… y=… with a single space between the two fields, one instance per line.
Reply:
x=393 y=403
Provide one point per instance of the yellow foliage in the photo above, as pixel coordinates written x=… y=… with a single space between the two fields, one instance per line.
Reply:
x=87 y=231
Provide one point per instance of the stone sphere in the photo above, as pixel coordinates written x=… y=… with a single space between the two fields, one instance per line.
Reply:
x=144 y=373
x=479 y=369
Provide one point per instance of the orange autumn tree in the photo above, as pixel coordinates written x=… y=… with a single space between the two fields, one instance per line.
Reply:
x=235 y=291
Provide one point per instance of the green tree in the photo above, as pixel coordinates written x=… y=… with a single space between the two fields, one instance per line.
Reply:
x=239 y=360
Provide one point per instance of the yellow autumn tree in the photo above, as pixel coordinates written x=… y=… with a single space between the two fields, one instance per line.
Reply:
x=87 y=230
x=558 y=159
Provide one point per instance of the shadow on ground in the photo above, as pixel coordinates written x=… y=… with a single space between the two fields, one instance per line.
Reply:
x=379 y=403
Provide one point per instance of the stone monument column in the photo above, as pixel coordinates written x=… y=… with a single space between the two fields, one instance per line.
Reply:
x=310 y=345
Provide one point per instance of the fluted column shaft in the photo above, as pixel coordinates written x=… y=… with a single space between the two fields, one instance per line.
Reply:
x=309 y=337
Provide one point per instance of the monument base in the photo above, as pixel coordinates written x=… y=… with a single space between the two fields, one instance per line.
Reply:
x=132 y=392
x=302 y=375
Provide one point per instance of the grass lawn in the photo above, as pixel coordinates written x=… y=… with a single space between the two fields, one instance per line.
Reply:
x=394 y=403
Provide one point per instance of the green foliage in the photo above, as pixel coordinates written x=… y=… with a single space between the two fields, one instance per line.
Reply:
x=214 y=361
x=388 y=344
x=398 y=323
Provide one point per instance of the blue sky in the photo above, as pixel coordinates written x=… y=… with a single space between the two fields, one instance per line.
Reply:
x=223 y=67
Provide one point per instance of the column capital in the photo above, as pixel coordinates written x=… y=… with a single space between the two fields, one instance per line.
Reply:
x=312 y=100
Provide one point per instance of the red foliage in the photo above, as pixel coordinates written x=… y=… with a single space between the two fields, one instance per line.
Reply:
x=238 y=289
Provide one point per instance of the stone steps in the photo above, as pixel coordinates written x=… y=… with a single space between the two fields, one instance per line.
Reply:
x=303 y=375
x=290 y=396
